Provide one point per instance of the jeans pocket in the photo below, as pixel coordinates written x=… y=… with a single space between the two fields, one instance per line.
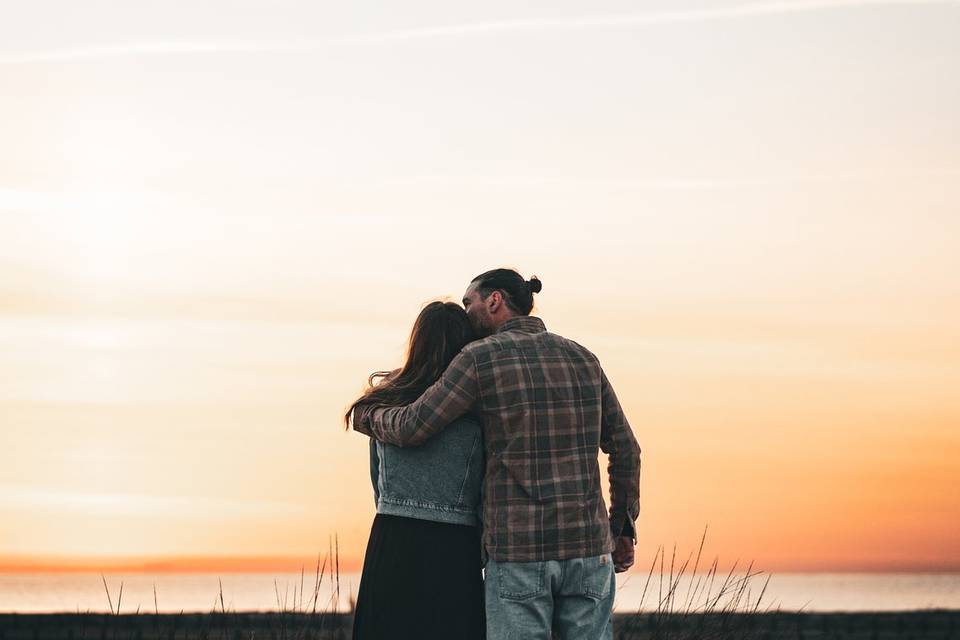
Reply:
x=597 y=576
x=520 y=580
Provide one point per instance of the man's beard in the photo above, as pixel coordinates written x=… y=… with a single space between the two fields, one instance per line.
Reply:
x=481 y=329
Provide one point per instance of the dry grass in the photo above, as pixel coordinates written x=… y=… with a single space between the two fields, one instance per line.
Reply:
x=305 y=616
x=718 y=603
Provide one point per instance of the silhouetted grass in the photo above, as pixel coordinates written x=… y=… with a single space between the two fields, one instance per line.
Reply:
x=724 y=613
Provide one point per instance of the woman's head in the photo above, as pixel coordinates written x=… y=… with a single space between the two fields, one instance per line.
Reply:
x=439 y=333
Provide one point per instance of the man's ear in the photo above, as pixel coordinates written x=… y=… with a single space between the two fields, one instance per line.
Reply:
x=494 y=302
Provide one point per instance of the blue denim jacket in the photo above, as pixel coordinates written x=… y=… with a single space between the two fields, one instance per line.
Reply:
x=440 y=480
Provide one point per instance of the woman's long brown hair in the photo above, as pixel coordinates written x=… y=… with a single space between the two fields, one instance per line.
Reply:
x=441 y=330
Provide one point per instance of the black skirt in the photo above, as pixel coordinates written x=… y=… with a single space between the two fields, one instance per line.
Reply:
x=421 y=580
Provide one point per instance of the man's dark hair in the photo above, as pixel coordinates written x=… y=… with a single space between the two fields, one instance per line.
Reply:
x=517 y=292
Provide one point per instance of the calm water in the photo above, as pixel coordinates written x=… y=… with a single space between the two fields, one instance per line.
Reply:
x=245 y=592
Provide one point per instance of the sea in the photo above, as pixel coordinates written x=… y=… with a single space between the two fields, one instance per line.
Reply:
x=172 y=593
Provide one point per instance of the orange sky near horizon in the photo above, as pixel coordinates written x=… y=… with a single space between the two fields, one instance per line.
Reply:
x=751 y=217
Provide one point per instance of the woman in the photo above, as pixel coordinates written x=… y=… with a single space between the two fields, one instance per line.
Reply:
x=422 y=573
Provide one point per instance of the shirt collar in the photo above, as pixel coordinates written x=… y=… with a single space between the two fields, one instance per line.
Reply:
x=523 y=324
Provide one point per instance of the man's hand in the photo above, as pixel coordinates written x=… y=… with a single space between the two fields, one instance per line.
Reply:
x=622 y=553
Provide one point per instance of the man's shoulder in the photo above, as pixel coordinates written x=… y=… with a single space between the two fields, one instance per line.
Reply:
x=498 y=342
x=576 y=346
x=489 y=346
x=479 y=348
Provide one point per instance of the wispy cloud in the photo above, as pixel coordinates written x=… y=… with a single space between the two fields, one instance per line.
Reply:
x=498 y=27
x=115 y=207
x=140 y=504
x=672 y=184
x=145 y=204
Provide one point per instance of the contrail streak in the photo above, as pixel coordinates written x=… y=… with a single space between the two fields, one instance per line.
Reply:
x=622 y=21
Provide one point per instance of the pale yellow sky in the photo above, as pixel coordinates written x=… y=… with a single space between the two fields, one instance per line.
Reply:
x=216 y=223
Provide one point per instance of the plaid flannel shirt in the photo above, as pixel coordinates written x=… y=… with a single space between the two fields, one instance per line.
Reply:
x=546 y=408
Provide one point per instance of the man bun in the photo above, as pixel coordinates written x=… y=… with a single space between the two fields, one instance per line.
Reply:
x=517 y=292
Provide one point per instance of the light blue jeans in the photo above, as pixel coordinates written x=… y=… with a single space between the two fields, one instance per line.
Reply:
x=573 y=598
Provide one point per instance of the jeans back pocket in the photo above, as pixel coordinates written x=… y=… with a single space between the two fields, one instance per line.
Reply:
x=520 y=580
x=597 y=576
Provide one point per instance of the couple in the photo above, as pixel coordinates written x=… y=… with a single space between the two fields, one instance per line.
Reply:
x=484 y=454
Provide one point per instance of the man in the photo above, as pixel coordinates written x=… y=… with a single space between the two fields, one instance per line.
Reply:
x=547 y=409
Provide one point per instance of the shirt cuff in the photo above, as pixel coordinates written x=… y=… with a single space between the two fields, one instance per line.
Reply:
x=622 y=524
x=360 y=421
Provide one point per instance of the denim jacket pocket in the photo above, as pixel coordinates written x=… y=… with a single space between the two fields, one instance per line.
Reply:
x=520 y=580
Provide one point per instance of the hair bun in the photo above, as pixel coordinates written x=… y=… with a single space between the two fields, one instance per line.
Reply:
x=535 y=284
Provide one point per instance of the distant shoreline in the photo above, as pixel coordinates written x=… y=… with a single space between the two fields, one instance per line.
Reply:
x=885 y=625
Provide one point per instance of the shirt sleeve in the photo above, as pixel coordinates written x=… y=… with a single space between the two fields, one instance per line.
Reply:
x=453 y=395
x=623 y=451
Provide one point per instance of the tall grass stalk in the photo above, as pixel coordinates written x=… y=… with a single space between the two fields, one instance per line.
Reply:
x=700 y=612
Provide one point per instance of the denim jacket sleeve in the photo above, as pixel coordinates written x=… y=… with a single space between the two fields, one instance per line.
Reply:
x=375 y=471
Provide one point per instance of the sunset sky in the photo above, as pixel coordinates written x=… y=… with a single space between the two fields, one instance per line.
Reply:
x=216 y=219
